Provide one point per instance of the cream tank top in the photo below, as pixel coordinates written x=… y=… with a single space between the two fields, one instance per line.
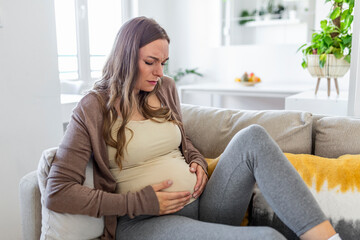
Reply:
x=152 y=155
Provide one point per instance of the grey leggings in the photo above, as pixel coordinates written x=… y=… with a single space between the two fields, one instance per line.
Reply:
x=251 y=156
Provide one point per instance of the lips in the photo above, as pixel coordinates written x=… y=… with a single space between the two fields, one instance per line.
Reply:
x=153 y=82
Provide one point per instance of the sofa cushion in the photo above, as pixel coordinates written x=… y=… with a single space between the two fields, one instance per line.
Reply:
x=211 y=129
x=335 y=184
x=60 y=225
x=336 y=136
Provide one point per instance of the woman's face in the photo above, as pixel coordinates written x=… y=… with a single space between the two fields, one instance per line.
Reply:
x=152 y=58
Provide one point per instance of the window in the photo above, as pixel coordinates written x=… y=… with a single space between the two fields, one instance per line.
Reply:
x=85 y=31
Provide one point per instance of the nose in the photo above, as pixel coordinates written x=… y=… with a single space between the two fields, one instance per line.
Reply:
x=158 y=71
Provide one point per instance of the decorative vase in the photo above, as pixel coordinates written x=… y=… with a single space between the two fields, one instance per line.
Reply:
x=333 y=68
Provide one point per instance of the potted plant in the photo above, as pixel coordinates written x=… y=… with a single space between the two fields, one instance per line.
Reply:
x=328 y=54
x=180 y=73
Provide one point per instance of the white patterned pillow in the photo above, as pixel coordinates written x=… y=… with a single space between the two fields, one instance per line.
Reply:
x=61 y=225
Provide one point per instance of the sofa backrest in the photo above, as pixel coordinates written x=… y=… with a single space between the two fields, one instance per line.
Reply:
x=211 y=129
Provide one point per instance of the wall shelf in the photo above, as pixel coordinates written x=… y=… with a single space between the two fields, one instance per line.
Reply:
x=264 y=25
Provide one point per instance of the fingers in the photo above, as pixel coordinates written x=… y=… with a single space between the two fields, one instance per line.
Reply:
x=163 y=185
x=172 y=202
x=176 y=203
x=193 y=167
x=201 y=181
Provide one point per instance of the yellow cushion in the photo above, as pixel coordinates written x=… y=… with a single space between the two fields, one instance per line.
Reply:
x=342 y=172
x=212 y=162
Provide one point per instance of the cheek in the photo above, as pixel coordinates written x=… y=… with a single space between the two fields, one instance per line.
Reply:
x=144 y=70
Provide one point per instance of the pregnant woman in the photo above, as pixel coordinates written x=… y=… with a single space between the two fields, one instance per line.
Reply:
x=150 y=182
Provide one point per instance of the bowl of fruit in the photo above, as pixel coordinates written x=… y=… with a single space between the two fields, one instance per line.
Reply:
x=248 y=79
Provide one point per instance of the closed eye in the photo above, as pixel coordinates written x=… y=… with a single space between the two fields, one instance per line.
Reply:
x=148 y=63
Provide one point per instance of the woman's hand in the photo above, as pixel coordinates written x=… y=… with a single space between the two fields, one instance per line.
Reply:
x=170 y=202
x=201 y=179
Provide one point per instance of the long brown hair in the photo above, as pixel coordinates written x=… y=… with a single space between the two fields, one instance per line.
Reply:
x=119 y=79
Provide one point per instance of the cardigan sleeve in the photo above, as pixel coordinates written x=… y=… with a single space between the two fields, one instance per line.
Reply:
x=64 y=190
x=189 y=151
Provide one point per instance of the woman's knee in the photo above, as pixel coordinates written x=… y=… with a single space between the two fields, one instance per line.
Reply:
x=256 y=129
x=251 y=134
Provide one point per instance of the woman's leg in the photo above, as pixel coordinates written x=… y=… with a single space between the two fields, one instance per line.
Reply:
x=179 y=227
x=184 y=225
x=252 y=156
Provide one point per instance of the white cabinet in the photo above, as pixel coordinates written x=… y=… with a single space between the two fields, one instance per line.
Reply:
x=236 y=96
x=335 y=105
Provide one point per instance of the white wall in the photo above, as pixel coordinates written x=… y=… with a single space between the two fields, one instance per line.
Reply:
x=29 y=98
x=193 y=27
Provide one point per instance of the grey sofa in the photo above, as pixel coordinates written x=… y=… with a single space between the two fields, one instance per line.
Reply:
x=211 y=129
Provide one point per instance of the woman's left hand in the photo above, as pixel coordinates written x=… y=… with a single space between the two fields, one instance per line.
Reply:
x=201 y=179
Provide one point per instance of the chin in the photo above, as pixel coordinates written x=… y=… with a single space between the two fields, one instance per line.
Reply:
x=149 y=89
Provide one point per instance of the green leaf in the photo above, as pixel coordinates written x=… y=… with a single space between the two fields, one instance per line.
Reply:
x=347 y=58
x=304 y=64
x=341 y=46
x=348 y=20
x=328 y=40
x=351 y=4
x=347 y=39
x=323 y=24
x=345 y=14
x=322 y=59
x=339 y=1
x=301 y=47
x=330 y=50
x=326 y=1
x=335 y=13
x=343 y=27
x=316 y=37
x=338 y=53
x=321 y=63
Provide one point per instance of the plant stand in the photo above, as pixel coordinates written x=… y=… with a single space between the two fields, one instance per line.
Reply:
x=333 y=69
x=329 y=86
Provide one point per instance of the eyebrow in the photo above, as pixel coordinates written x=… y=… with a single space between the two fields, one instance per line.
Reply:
x=157 y=59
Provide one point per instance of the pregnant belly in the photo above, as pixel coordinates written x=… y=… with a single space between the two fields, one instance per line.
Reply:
x=171 y=167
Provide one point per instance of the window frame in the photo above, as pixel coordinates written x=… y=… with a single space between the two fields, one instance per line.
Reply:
x=82 y=40
x=354 y=84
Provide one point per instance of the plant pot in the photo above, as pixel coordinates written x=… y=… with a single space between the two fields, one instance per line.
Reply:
x=333 y=68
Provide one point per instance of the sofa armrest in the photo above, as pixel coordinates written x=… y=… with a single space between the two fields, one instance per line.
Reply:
x=30 y=206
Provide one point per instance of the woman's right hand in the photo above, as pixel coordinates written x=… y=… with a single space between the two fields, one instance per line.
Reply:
x=170 y=202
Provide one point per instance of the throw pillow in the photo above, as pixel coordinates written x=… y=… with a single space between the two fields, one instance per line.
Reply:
x=61 y=225
x=336 y=136
x=335 y=184
x=212 y=162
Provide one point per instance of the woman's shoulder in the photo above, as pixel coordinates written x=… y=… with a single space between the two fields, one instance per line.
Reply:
x=167 y=82
x=91 y=102
x=168 y=87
